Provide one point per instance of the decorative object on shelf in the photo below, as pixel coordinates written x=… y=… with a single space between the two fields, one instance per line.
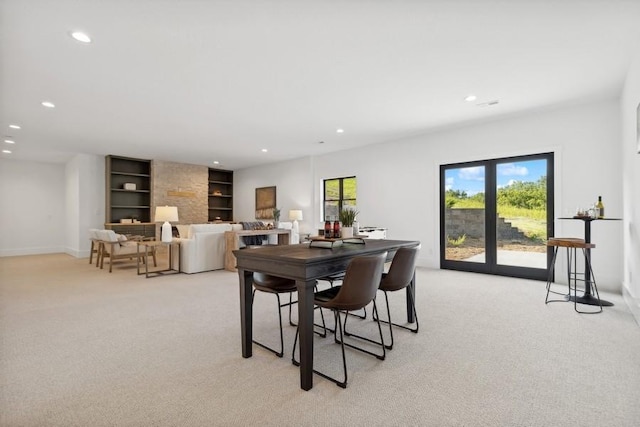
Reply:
x=295 y=215
x=265 y=202
x=276 y=217
x=166 y=214
x=126 y=221
x=129 y=186
x=217 y=193
x=347 y=218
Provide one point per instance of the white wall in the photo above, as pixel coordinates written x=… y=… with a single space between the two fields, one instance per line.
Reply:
x=84 y=176
x=32 y=218
x=398 y=182
x=631 y=183
x=49 y=207
x=294 y=190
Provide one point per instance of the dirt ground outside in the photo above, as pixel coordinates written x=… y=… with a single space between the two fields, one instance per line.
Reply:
x=472 y=247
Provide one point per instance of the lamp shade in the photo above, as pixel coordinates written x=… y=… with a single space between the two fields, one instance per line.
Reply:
x=166 y=214
x=295 y=215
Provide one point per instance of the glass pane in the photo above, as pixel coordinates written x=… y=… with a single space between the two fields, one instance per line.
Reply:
x=349 y=188
x=332 y=189
x=521 y=226
x=330 y=210
x=464 y=214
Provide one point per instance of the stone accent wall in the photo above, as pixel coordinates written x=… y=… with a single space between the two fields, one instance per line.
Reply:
x=471 y=222
x=182 y=185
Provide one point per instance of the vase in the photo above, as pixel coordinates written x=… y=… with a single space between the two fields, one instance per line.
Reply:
x=346 y=232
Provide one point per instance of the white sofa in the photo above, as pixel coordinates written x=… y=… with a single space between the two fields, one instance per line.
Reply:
x=202 y=247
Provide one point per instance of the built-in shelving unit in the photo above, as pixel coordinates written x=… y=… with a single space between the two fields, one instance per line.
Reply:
x=220 y=195
x=131 y=201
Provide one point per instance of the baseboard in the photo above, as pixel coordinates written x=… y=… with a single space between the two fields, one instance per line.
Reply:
x=30 y=251
x=632 y=302
x=77 y=254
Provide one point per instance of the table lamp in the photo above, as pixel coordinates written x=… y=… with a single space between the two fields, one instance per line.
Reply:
x=295 y=215
x=166 y=214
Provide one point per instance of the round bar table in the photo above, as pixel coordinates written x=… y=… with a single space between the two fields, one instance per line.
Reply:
x=588 y=298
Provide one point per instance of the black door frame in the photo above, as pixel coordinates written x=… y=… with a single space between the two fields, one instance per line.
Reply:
x=490 y=265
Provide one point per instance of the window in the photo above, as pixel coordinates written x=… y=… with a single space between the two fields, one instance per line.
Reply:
x=339 y=193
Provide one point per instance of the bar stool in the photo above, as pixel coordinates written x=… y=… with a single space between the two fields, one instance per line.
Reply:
x=572 y=244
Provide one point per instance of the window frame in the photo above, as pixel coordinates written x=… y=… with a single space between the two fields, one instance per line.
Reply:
x=341 y=199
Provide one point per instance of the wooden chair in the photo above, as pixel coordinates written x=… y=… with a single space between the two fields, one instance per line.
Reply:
x=118 y=247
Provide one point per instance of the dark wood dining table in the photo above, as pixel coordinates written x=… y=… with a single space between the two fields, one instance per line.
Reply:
x=587 y=297
x=305 y=265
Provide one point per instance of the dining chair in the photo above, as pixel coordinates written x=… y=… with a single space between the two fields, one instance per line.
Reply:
x=400 y=276
x=338 y=277
x=276 y=286
x=358 y=289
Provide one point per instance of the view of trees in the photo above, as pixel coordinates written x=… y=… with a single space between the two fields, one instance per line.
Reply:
x=519 y=194
x=523 y=204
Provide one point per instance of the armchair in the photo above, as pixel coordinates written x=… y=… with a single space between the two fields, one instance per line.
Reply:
x=117 y=247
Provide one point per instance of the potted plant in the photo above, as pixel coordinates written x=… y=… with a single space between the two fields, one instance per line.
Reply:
x=276 y=217
x=347 y=218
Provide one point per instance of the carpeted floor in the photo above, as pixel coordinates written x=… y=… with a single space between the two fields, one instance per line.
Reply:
x=82 y=347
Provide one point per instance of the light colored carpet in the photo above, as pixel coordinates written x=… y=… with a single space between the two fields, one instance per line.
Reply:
x=82 y=347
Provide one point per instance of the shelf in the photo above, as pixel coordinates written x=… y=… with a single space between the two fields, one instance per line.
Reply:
x=220 y=205
x=143 y=175
x=122 y=203
x=130 y=191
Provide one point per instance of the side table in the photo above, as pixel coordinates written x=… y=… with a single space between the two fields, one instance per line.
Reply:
x=150 y=247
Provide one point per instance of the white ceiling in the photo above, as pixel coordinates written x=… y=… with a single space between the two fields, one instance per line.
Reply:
x=195 y=81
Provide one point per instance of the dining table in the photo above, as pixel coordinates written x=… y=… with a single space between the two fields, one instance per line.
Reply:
x=587 y=297
x=305 y=264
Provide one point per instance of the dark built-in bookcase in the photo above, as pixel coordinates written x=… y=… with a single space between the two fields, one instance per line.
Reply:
x=128 y=204
x=220 y=195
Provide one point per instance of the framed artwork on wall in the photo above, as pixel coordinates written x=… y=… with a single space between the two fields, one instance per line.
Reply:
x=265 y=202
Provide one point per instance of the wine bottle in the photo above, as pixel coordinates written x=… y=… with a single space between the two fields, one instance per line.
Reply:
x=327 y=229
x=336 y=228
x=600 y=207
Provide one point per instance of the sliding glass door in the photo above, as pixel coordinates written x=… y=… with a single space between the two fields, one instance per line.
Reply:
x=495 y=215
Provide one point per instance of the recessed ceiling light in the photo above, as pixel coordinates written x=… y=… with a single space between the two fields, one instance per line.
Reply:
x=264 y=150
x=471 y=98
x=15 y=127
x=9 y=141
x=48 y=104
x=339 y=130
x=81 y=37
x=6 y=151
x=488 y=104
x=215 y=162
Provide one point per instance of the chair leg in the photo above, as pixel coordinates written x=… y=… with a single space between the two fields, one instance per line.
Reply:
x=91 y=252
x=380 y=343
x=343 y=383
x=591 y=283
x=552 y=268
x=277 y=353
x=390 y=323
